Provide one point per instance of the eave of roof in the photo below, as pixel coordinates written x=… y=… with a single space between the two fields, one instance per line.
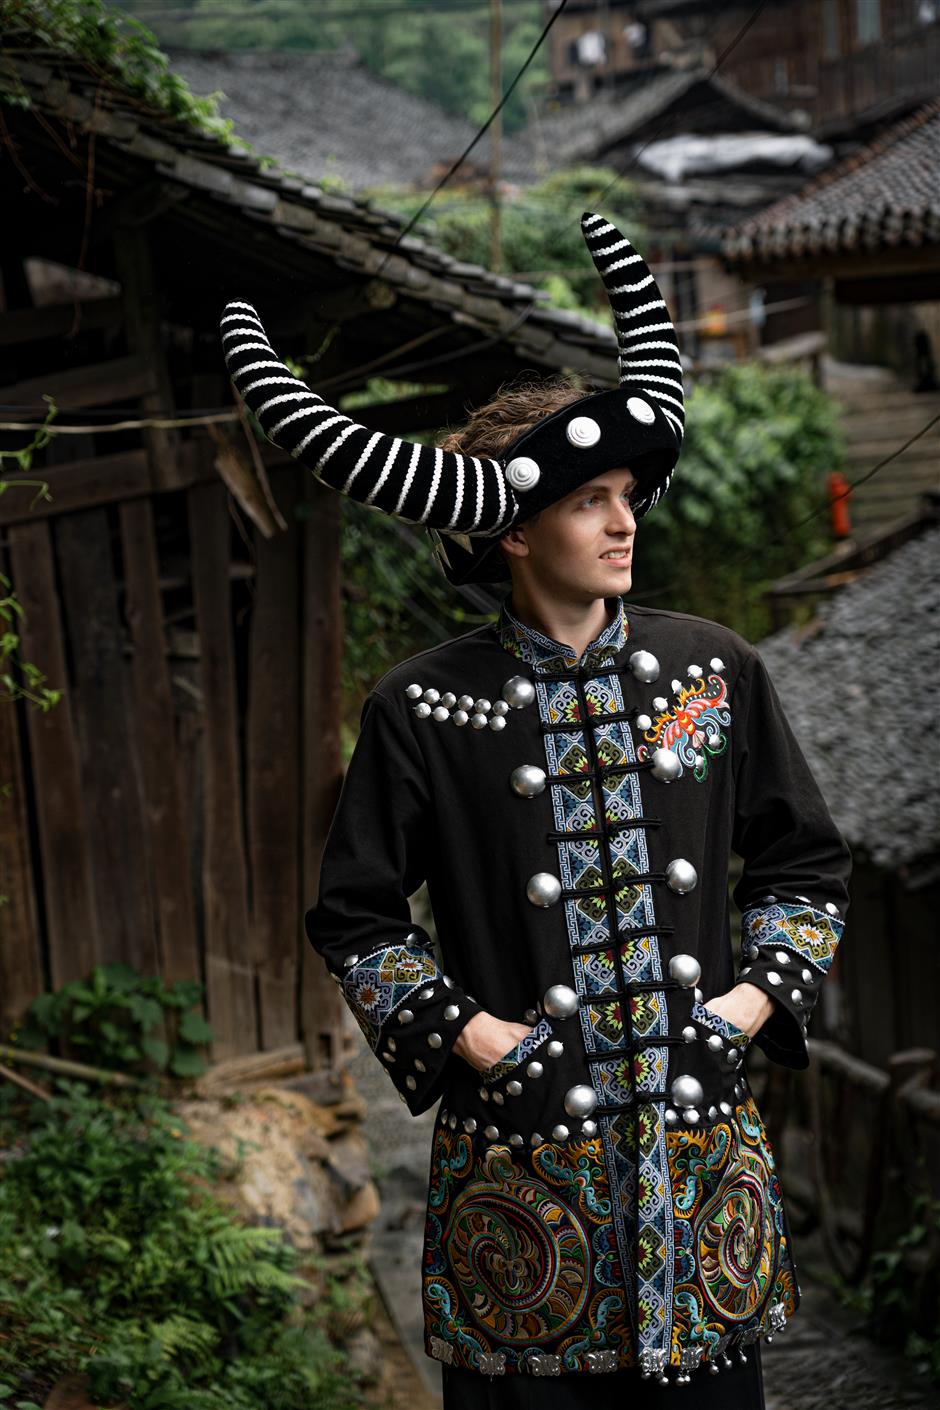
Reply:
x=885 y=196
x=350 y=230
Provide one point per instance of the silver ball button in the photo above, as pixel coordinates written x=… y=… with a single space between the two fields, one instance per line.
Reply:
x=681 y=876
x=685 y=969
x=580 y=1100
x=686 y=1090
x=644 y=665
x=528 y=780
x=543 y=889
x=518 y=691
x=666 y=765
x=560 y=1001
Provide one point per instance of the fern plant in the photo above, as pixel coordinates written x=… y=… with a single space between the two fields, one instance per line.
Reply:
x=119 y=1263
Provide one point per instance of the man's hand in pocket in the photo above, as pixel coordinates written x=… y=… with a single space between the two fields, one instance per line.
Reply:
x=745 y=1005
x=484 y=1039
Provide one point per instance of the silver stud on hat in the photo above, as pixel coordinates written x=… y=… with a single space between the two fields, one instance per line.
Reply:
x=583 y=431
x=641 y=410
x=523 y=472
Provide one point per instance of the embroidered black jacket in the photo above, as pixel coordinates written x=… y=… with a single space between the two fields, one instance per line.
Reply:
x=605 y=1195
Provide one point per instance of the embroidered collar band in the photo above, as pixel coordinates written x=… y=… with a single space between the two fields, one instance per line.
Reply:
x=537 y=649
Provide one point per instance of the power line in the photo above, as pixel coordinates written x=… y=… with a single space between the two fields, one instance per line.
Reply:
x=293 y=8
x=469 y=148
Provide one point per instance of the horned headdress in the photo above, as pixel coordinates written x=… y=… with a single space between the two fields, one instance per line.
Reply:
x=467 y=502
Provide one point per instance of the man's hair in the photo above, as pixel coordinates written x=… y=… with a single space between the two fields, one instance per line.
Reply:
x=515 y=408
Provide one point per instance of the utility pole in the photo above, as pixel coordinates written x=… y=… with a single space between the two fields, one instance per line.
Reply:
x=496 y=129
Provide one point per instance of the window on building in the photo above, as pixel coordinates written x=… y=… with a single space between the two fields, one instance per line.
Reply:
x=867 y=21
x=831 y=38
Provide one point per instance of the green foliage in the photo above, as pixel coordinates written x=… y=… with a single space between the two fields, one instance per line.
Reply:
x=119 y=1019
x=117 y=48
x=118 y=1263
x=441 y=57
x=899 y=1297
x=540 y=230
x=759 y=443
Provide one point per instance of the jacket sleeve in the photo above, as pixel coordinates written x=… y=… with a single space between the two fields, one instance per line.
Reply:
x=374 y=858
x=793 y=891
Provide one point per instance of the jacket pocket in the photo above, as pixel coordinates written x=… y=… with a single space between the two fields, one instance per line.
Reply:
x=720 y=1024
x=518 y=1054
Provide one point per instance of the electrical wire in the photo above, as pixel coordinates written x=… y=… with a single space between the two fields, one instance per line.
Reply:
x=455 y=165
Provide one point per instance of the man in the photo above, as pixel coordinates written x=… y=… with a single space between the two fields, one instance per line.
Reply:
x=570 y=781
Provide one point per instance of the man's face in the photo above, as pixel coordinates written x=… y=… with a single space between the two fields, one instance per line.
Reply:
x=582 y=545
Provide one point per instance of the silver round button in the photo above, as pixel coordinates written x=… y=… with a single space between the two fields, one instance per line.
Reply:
x=543 y=889
x=681 y=876
x=560 y=1001
x=666 y=765
x=528 y=780
x=644 y=665
x=518 y=691
x=686 y=1090
x=685 y=969
x=580 y=1100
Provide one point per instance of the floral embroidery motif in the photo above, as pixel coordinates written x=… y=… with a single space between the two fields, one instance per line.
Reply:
x=692 y=727
x=812 y=933
x=380 y=982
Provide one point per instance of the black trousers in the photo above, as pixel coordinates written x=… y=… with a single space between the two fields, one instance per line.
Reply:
x=737 y=1387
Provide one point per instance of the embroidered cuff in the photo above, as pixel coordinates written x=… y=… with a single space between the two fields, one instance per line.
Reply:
x=787 y=949
x=410 y=1012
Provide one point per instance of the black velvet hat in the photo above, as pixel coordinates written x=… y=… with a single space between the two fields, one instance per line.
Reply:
x=468 y=502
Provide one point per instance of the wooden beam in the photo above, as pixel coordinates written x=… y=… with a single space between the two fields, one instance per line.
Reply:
x=229 y=977
x=321 y=640
x=273 y=748
x=122 y=379
x=138 y=205
x=71 y=917
x=142 y=314
x=21 y=976
x=32 y=325
x=889 y=289
x=167 y=852
x=108 y=745
x=104 y=479
x=881 y=264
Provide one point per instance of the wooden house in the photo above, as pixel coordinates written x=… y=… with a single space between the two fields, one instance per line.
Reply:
x=171 y=809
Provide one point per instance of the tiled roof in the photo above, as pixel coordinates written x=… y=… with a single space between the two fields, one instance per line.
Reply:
x=327 y=114
x=860 y=694
x=887 y=194
x=581 y=132
x=347 y=230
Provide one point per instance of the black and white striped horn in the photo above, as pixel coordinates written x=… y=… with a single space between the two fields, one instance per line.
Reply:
x=649 y=349
x=440 y=489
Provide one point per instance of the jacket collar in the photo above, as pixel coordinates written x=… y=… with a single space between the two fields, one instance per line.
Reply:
x=535 y=648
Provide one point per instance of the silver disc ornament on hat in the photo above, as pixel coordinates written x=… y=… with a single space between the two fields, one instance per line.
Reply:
x=466 y=502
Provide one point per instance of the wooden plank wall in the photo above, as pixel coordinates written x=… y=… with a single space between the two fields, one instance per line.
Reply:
x=172 y=841
x=170 y=810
